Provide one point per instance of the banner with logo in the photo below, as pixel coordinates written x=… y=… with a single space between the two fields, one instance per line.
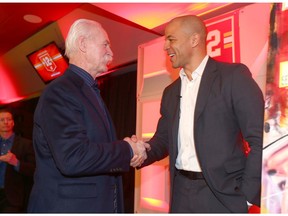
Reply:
x=223 y=37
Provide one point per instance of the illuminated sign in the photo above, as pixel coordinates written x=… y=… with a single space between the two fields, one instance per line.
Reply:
x=283 y=74
x=223 y=38
x=48 y=62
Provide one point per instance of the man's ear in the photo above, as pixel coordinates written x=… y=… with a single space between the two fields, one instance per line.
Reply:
x=82 y=43
x=194 y=39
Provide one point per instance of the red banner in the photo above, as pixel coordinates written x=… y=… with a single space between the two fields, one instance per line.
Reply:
x=48 y=62
x=223 y=37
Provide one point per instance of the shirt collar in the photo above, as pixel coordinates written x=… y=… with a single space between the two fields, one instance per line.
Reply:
x=10 y=139
x=88 y=79
x=196 y=73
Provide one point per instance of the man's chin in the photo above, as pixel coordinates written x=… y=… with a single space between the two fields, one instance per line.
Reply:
x=175 y=66
x=103 y=70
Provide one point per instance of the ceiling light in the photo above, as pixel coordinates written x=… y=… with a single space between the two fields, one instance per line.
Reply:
x=32 y=18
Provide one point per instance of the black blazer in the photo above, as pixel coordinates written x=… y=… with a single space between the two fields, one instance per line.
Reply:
x=18 y=184
x=78 y=159
x=229 y=106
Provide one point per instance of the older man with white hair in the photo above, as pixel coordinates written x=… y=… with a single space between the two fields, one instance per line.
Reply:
x=79 y=160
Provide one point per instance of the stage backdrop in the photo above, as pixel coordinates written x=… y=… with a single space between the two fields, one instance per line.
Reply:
x=238 y=36
x=275 y=153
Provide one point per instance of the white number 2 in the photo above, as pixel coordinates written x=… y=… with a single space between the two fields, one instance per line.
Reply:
x=212 y=49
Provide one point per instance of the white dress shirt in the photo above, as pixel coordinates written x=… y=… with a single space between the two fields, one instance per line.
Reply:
x=187 y=157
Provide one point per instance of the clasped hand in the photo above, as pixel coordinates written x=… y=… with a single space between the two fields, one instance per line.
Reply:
x=9 y=158
x=139 y=148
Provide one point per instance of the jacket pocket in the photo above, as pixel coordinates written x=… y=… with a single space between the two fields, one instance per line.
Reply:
x=77 y=190
x=234 y=165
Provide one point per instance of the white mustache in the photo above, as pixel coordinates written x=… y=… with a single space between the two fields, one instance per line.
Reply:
x=109 y=59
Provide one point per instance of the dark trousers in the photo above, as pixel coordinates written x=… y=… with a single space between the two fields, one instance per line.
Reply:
x=194 y=196
x=5 y=206
x=3 y=201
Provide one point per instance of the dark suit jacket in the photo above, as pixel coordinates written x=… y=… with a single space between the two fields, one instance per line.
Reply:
x=78 y=159
x=18 y=184
x=229 y=105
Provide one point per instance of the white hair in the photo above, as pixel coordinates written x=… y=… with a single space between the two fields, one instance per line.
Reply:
x=80 y=27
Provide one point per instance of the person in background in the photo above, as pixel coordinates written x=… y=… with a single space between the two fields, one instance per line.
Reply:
x=79 y=160
x=205 y=116
x=17 y=165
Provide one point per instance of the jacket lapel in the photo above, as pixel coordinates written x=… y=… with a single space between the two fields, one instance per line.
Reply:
x=91 y=97
x=208 y=78
x=15 y=146
x=175 y=120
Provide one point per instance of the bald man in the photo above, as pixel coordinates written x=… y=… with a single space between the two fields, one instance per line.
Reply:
x=205 y=115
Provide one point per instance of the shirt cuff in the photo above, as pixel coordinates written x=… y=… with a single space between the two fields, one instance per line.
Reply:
x=131 y=152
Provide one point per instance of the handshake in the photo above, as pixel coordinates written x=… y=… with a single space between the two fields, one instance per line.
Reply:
x=139 y=148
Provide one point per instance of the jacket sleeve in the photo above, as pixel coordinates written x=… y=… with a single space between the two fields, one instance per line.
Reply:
x=248 y=104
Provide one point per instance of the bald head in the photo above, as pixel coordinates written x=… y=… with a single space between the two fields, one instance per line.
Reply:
x=191 y=24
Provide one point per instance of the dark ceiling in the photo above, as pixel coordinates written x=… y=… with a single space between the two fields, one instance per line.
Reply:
x=14 y=29
x=149 y=16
